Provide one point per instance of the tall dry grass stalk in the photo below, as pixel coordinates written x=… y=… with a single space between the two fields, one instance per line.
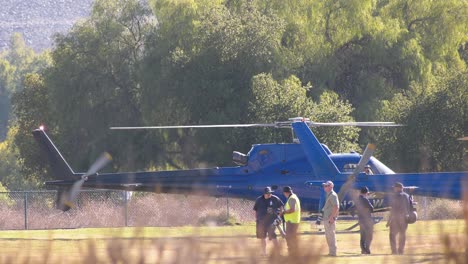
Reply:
x=175 y=250
x=197 y=249
x=456 y=248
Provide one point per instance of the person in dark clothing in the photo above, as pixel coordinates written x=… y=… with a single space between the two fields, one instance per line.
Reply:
x=399 y=201
x=267 y=207
x=366 y=224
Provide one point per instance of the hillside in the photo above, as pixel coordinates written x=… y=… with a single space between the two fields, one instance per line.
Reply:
x=39 y=20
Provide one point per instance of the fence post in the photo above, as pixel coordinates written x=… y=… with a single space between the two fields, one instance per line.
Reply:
x=26 y=210
x=125 y=194
x=227 y=205
x=425 y=208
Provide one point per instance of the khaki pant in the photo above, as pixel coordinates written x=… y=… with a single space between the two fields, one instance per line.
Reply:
x=366 y=229
x=291 y=238
x=330 y=235
x=398 y=226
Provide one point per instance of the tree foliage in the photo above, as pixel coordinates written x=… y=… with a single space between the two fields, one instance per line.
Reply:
x=15 y=64
x=93 y=83
x=214 y=63
x=241 y=61
x=11 y=174
x=31 y=108
x=435 y=116
x=275 y=101
x=366 y=51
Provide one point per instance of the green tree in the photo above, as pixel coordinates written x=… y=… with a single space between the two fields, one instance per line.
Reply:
x=10 y=166
x=435 y=117
x=367 y=51
x=31 y=108
x=275 y=101
x=6 y=79
x=199 y=69
x=215 y=62
x=93 y=83
x=15 y=63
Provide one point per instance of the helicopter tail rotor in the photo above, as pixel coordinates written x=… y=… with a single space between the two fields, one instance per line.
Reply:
x=67 y=197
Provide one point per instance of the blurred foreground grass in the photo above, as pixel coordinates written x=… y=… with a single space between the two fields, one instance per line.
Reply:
x=427 y=242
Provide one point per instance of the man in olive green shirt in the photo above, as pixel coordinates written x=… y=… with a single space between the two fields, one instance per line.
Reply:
x=330 y=213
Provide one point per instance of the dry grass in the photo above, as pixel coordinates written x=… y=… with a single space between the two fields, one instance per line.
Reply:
x=427 y=242
x=443 y=241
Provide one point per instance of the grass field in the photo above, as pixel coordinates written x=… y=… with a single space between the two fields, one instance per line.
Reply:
x=427 y=242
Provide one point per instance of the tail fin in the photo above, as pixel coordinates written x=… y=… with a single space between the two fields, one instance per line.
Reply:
x=317 y=156
x=59 y=166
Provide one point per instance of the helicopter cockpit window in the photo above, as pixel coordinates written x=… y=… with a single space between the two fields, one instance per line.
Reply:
x=349 y=167
x=239 y=158
x=368 y=170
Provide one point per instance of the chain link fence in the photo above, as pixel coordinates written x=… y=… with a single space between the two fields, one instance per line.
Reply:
x=36 y=210
x=102 y=208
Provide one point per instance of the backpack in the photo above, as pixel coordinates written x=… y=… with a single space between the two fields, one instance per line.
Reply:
x=412 y=216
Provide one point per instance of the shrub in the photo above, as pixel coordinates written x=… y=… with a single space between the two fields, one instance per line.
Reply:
x=5 y=196
x=444 y=209
x=217 y=218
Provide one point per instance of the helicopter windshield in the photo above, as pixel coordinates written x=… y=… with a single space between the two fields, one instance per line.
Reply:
x=239 y=158
x=376 y=167
x=379 y=167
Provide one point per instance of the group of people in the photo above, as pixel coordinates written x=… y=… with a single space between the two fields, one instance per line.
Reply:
x=269 y=207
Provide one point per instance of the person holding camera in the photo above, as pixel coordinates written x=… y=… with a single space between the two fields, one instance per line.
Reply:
x=267 y=207
x=400 y=206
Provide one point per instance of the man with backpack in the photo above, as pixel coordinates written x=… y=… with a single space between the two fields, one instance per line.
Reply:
x=397 y=221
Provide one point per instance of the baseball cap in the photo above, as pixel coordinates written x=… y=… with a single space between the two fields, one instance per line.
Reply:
x=267 y=190
x=398 y=184
x=328 y=183
x=287 y=189
x=364 y=189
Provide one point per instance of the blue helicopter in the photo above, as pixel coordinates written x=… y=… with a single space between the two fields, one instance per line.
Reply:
x=303 y=164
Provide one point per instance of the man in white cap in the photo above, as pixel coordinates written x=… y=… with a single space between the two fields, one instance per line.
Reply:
x=330 y=213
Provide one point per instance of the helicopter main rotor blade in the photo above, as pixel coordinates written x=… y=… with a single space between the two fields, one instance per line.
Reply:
x=370 y=148
x=282 y=124
x=361 y=124
x=359 y=168
x=194 y=126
